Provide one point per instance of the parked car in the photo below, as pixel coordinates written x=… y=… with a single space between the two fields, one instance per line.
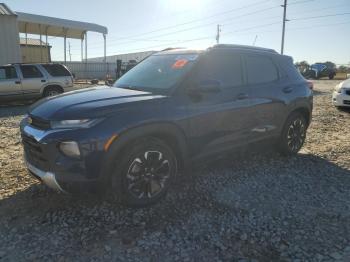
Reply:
x=172 y=109
x=341 y=94
x=318 y=70
x=29 y=81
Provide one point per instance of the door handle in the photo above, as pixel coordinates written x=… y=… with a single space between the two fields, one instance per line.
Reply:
x=287 y=89
x=43 y=80
x=242 y=96
x=17 y=82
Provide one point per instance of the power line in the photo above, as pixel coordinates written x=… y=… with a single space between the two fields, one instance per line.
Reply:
x=196 y=20
x=244 y=33
x=320 y=16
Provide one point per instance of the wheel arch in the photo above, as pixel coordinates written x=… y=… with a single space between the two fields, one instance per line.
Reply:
x=304 y=111
x=51 y=86
x=169 y=133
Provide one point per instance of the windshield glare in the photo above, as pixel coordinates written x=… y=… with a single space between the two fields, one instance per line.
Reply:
x=158 y=72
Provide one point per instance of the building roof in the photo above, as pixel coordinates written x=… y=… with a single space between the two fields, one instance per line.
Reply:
x=31 y=41
x=34 y=24
x=5 y=10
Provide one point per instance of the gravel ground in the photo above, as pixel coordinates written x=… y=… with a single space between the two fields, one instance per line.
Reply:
x=249 y=206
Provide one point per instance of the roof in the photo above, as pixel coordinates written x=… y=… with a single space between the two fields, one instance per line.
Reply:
x=31 y=41
x=244 y=47
x=5 y=10
x=31 y=24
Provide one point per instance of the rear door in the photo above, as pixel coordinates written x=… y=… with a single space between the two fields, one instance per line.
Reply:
x=220 y=120
x=268 y=92
x=33 y=80
x=10 y=84
x=58 y=74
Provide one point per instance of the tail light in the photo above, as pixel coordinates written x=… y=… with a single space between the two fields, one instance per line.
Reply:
x=310 y=84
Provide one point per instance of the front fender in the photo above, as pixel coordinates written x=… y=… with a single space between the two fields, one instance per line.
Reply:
x=159 y=130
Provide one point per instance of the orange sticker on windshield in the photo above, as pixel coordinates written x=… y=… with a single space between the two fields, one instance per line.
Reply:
x=179 y=63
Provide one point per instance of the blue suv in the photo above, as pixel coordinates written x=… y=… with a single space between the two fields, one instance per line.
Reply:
x=174 y=108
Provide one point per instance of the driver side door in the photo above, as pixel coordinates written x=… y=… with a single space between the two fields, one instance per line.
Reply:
x=219 y=120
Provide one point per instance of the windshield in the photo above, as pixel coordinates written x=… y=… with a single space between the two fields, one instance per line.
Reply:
x=158 y=72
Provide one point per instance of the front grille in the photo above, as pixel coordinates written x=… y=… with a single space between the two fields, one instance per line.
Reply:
x=40 y=123
x=346 y=102
x=347 y=92
x=34 y=153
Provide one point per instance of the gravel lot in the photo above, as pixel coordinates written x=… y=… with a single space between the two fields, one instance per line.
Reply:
x=256 y=206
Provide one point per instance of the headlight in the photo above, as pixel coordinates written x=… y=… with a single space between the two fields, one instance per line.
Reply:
x=338 y=88
x=70 y=148
x=79 y=123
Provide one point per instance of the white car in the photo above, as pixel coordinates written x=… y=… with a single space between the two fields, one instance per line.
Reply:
x=341 y=94
x=19 y=81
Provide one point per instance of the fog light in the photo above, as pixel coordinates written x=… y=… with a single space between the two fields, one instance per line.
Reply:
x=70 y=148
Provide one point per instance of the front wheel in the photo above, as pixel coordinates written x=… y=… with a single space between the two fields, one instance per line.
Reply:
x=145 y=172
x=293 y=134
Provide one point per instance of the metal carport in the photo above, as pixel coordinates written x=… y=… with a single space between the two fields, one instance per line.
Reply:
x=51 y=26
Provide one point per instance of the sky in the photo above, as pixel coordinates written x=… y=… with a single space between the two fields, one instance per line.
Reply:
x=317 y=30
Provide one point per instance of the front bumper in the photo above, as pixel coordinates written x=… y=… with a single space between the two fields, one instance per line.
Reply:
x=47 y=178
x=341 y=99
x=47 y=163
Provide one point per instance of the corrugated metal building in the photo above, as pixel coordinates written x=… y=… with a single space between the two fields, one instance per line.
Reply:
x=9 y=40
x=35 y=51
x=124 y=57
x=13 y=23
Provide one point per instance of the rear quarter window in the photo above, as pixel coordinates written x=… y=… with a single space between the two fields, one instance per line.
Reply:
x=56 y=70
x=288 y=69
x=260 y=69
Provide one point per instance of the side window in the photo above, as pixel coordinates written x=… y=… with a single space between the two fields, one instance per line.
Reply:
x=30 y=71
x=260 y=69
x=7 y=72
x=56 y=70
x=224 y=67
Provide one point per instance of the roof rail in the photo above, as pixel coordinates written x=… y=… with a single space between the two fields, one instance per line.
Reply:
x=245 y=47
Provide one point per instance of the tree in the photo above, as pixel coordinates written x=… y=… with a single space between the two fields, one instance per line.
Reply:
x=302 y=66
x=330 y=65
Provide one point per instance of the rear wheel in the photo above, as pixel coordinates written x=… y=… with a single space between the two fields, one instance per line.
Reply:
x=293 y=134
x=52 y=91
x=145 y=173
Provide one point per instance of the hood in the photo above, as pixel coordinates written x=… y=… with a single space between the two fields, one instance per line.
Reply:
x=345 y=84
x=89 y=102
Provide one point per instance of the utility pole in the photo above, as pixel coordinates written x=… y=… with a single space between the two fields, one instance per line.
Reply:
x=256 y=37
x=218 y=30
x=284 y=24
x=70 y=55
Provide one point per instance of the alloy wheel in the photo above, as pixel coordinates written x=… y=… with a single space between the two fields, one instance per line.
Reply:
x=147 y=175
x=296 y=134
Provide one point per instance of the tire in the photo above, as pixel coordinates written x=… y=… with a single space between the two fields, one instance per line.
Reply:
x=331 y=76
x=146 y=171
x=293 y=134
x=52 y=91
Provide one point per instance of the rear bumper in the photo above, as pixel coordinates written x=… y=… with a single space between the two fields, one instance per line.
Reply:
x=47 y=178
